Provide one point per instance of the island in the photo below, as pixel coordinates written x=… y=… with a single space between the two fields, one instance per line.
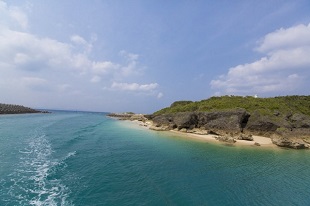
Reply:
x=285 y=120
x=17 y=109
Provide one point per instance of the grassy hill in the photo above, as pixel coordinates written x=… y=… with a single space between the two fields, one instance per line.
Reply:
x=265 y=106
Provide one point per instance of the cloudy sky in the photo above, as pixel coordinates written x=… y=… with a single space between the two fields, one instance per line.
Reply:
x=140 y=56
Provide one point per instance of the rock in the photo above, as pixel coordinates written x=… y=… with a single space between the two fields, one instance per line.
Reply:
x=120 y=116
x=186 y=120
x=289 y=128
x=138 y=117
x=164 y=120
x=144 y=124
x=256 y=144
x=17 y=109
x=198 y=131
x=300 y=121
x=183 y=130
x=262 y=124
x=223 y=122
x=289 y=143
x=227 y=139
x=159 y=128
x=128 y=116
x=246 y=137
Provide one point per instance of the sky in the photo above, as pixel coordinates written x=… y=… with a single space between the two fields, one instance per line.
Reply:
x=142 y=55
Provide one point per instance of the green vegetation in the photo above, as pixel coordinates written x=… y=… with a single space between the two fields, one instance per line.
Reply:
x=273 y=106
x=180 y=103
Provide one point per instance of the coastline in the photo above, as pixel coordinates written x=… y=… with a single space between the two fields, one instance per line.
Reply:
x=263 y=142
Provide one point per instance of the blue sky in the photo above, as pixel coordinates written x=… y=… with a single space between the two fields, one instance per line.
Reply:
x=142 y=55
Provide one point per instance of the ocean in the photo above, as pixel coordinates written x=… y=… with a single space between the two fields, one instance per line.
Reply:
x=80 y=158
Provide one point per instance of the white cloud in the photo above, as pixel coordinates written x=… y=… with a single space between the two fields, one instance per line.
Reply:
x=293 y=37
x=134 y=86
x=49 y=72
x=81 y=41
x=12 y=16
x=95 y=79
x=129 y=56
x=19 y=17
x=160 y=95
x=35 y=83
x=23 y=51
x=27 y=52
x=104 y=67
x=132 y=62
x=78 y=40
x=283 y=68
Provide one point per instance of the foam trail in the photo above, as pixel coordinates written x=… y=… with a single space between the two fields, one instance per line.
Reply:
x=33 y=181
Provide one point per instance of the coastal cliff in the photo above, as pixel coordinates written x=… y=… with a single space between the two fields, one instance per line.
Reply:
x=17 y=109
x=285 y=120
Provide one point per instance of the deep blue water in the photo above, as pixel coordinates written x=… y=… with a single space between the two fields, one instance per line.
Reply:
x=68 y=158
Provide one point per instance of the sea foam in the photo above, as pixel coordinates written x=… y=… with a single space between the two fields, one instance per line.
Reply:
x=33 y=179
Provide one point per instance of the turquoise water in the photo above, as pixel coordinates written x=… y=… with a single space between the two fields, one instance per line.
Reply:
x=68 y=158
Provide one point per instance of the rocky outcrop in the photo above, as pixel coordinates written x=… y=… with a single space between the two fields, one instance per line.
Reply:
x=291 y=130
x=128 y=116
x=297 y=138
x=290 y=143
x=285 y=130
x=120 y=116
x=222 y=122
x=227 y=139
x=299 y=120
x=17 y=109
x=261 y=125
x=247 y=137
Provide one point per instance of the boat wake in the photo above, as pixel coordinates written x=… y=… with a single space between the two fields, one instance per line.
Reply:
x=35 y=180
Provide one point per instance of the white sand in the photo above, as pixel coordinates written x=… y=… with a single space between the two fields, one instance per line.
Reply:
x=262 y=141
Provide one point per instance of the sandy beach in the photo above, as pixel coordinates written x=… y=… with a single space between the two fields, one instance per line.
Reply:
x=262 y=141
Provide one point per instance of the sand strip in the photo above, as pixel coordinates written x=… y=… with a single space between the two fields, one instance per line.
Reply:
x=262 y=141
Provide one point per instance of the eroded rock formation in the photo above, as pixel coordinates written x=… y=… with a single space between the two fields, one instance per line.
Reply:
x=292 y=131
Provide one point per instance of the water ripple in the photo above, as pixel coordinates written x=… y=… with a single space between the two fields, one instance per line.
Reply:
x=33 y=181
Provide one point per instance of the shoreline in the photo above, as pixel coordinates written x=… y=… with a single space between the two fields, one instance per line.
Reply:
x=264 y=142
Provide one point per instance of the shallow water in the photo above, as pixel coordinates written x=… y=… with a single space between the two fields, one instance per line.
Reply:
x=71 y=158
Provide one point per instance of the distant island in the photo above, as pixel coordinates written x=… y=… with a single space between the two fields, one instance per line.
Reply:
x=285 y=120
x=17 y=109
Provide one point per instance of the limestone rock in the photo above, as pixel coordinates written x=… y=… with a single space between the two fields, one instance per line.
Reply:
x=186 y=120
x=246 y=137
x=223 y=122
x=183 y=130
x=159 y=128
x=138 y=117
x=300 y=121
x=227 y=139
x=289 y=143
x=262 y=124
